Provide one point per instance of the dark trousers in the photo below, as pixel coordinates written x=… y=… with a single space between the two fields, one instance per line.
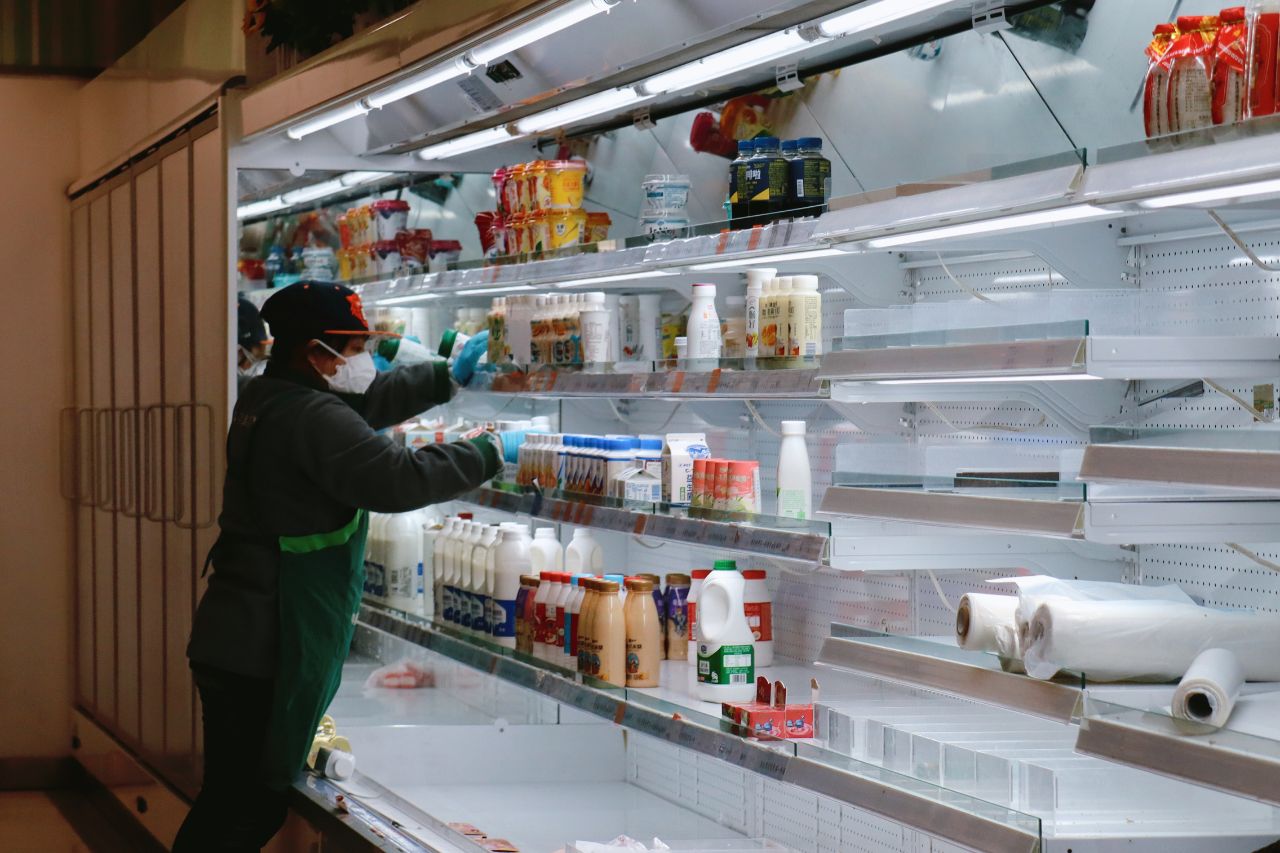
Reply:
x=235 y=812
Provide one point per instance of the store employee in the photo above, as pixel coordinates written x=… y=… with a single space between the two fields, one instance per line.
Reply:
x=305 y=466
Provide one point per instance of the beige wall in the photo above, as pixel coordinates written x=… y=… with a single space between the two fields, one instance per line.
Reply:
x=38 y=160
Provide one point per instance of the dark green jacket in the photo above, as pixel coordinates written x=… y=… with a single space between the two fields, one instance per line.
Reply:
x=304 y=466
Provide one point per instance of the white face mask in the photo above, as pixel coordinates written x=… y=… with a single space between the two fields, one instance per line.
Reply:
x=355 y=373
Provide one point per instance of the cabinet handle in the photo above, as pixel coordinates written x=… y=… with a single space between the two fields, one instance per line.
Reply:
x=85 y=458
x=200 y=414
x=127 y=449
x=179 y=465
x=68 y=454
x=151 y=485
x=104 y=487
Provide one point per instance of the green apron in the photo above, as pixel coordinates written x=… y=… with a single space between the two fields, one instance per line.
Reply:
x=319 y=587
x=321 y=584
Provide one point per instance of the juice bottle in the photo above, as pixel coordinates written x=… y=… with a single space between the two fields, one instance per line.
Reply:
x=609 y=635
x=643 y=633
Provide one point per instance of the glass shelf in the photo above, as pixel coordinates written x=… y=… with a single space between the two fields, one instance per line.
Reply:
x=1222 y=462
x=755 y=378
x=780 y=538
x=923 y=733
x=672 y=715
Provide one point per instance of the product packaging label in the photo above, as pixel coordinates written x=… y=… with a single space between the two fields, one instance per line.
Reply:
x=791 y=503
x=726 y=664
x=447 y=604
x=760 y=619
x=480 y=613
x=504 y=617
x=635 y=651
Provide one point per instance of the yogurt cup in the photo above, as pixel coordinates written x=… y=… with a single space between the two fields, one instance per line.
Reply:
x=667 y=226
x=559 y=229
x=559 y=184
x=598 y=223
x=665 y=194
x=386 y=257
x=513 y=201
x=391 y=215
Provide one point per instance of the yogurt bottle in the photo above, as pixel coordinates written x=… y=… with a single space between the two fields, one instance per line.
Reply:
x=644 y=634
x=676 y=607
x=609 y=633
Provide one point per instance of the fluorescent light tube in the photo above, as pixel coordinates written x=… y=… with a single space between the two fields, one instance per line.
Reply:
x=869 y=16
x=762 y=260
x=968 y=380
x=351 y=179
x=1054 y=216
x=755 y=52
x=313 y=192
x=258 y=208
x=464 y=144
x=552 y=22
x=593 y=105
x=326 y=119
x=603 y=279
x=435 y=75
x=1215 y=195
x=404 y=300
x=480 y=291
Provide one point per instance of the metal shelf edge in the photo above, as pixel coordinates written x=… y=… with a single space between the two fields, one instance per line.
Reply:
x=1060 y=519
x=1049 y=699
x=1225 y=468
x=1149 y=742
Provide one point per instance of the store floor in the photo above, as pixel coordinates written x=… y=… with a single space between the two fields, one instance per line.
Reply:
x=62 y=821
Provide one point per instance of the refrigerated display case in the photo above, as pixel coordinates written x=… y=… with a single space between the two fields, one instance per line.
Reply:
x=1049 y=348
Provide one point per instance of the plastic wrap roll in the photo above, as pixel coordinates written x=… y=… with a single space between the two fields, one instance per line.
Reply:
x=1145 y=640
x=979 y=618
x=1208 y=691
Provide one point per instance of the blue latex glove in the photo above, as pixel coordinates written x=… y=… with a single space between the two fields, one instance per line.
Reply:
x=464 y=363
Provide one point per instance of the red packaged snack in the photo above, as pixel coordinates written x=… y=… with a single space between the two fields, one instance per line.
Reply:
x=1190 y=60
x=1264 y=67
x=1155 y=98
x=1230 y=60
x=415 y=247
x=492 y=231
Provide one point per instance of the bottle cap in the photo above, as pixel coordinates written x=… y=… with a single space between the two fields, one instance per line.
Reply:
x=766 y=142
x=703 y=289
x=725 y=566
x=790 y=145
x=528 y=580
x=639 y=584
x=650 y=577
x=677 y=579
x=547 y=577
x=793 y=427
x=700 y=574
x=754 y=574
x=465 y=516
x=616 y=578
x=805 y=282
x=746 y=146
x=809 y=142
x=608 y=586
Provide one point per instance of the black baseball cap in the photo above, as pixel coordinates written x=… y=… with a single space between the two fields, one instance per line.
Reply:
x=314 y=309
x=249 y=328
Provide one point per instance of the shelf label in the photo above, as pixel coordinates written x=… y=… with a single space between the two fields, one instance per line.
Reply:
x=661 y=527
x=717 y=535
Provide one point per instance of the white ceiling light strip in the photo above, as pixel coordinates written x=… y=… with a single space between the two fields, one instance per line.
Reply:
x=435 y=75
x=609 y=101
x=328 y=118
x=1018 y=222
x=313 y=192
x=466 y=144
x=762 y=260
x=1215 y=195
x=260 y=208
x=748 y=55
x=866 y=17
x=560 y=18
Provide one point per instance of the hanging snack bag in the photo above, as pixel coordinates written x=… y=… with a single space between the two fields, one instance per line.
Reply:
x=1190 y=60
x=1264 y=58
x=1155 y=98
x=1230 y=59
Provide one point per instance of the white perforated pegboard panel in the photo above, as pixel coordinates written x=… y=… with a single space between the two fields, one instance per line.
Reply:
x=805 y=605
x=1019 y=275
x=1216 y=574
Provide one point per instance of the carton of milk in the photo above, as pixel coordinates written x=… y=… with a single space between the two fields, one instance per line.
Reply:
x=637 y=485
x=677 y=465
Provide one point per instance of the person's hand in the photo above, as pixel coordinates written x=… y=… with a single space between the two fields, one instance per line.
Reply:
x=464 y=363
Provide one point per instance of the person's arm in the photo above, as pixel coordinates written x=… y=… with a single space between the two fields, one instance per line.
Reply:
x=357 y=466
x=402 y=392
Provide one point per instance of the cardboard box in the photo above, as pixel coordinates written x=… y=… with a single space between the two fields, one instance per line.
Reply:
x=770 y=716
x=678 y=453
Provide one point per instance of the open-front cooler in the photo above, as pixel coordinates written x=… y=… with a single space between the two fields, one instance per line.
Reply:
x=1028 y=334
